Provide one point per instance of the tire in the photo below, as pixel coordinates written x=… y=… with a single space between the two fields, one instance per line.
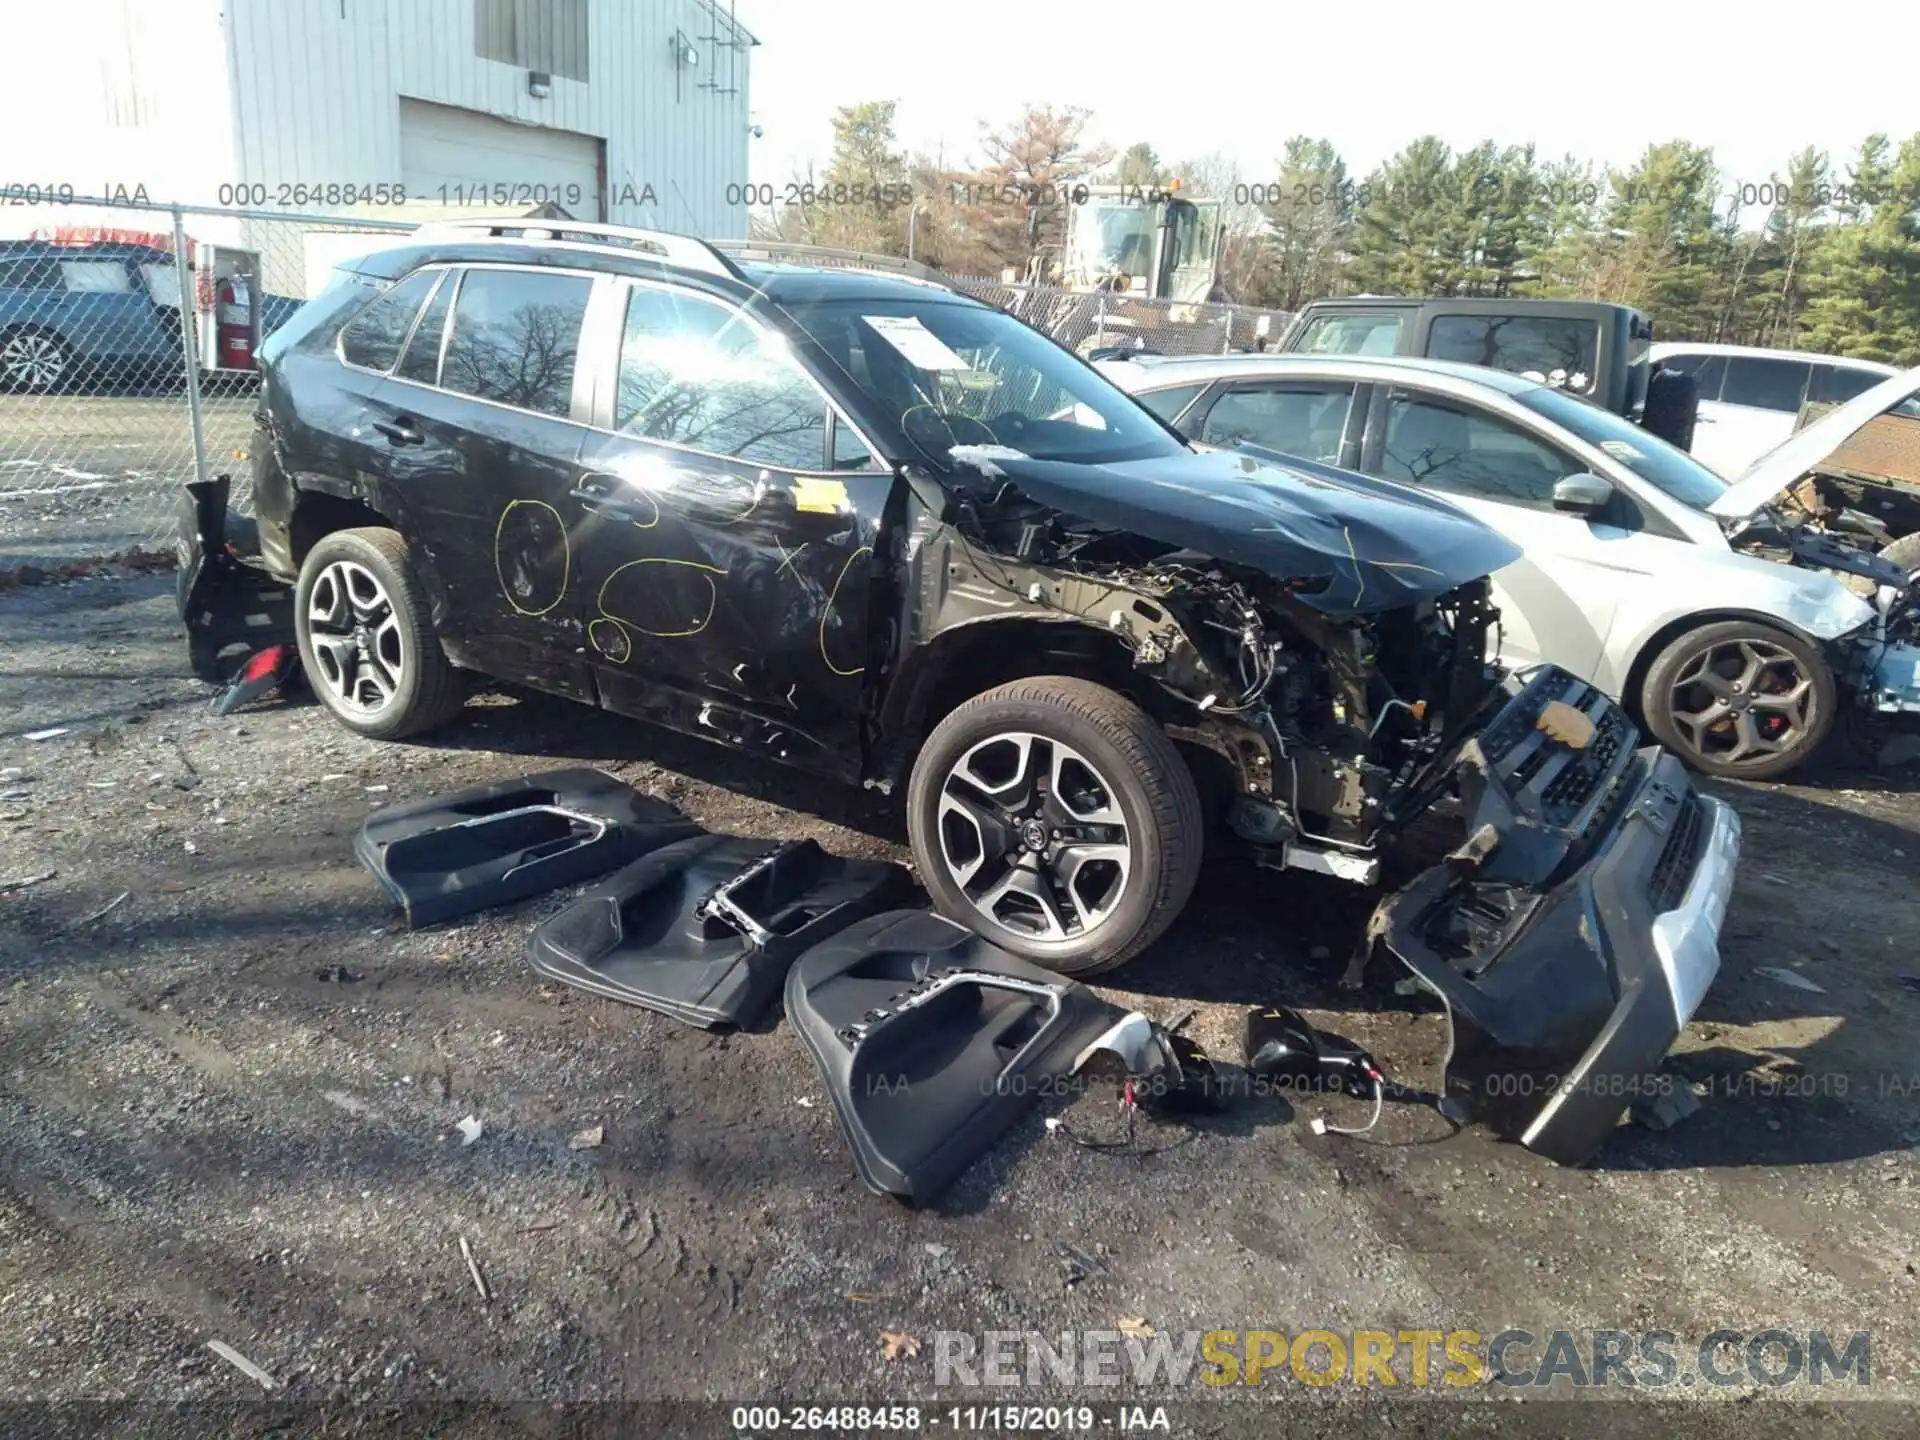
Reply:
x=364 y=627
x=1672 y=408
x=1698 y=699
x=1132 y=831
x=1904 y=552
x=34 y=361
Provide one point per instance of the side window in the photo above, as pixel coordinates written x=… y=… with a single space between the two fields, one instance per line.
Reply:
x=695 y=373
x=1843 y=382
x=96 y=277
x=1351 y=335
x=31 y=275
x=1561 y=353
x=1467 y=452
x=848 y=451
x=1171 y=401
x=372 y=338
x=1765 y=384
x=422 y=360
x=1299 y=419
x=1708 y=371
x=516 y=336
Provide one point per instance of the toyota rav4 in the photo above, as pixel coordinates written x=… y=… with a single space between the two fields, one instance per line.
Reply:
x=841 y=515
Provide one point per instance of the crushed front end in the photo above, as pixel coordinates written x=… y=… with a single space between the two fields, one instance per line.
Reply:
x=1575 y=932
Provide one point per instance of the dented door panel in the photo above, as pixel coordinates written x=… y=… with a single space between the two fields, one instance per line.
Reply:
x=729 y=598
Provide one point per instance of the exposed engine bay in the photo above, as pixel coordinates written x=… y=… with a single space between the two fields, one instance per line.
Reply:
x=1338 y=731
x=1879 y=662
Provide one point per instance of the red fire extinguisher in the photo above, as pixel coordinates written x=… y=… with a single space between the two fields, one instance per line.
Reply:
x=233 y=324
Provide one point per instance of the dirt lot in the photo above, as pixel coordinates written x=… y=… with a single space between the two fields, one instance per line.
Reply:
x=228 y=1104
x=92 y=474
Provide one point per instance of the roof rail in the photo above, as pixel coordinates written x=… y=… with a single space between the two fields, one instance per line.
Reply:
x=835 y=257
x=689 y=252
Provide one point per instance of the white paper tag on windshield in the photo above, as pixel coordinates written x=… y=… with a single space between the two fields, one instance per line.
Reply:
x=921 y=348
x=1621 y=450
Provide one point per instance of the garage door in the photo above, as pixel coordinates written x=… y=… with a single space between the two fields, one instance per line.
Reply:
x=454 y=161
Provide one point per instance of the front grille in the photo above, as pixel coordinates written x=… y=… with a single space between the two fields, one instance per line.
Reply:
x=1562 y=788
x=1566 y=795
x=1680 y=856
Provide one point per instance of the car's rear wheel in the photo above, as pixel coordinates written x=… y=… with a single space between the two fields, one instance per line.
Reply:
x=1740 y=699
x=1055 y=818
x=366 y=637
x=36 y=361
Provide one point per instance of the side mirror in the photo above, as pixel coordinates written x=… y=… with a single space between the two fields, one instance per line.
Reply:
x=1582 y=494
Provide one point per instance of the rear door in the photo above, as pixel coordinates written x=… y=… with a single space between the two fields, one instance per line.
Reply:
x=727 y=519
x=482 y=419
x=1557 y=601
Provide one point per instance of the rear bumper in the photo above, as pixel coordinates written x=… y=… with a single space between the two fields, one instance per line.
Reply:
x=1567 y=993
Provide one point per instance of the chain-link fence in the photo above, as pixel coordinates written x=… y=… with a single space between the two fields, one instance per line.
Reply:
x=1085 y=323
x=124 y=374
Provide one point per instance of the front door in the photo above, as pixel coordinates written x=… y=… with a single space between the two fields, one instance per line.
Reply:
x=482 y=427
x=1557 y=601
x=727 y=521
x=1304 y=418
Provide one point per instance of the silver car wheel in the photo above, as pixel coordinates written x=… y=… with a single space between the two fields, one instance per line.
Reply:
x=355 y=637
x=33 y=361
x=1741 y=701
x=1032 y=835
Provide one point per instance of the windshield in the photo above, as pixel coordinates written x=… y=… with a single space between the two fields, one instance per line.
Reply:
x=951 y=374
x=1655 y=461
x=1111 y=237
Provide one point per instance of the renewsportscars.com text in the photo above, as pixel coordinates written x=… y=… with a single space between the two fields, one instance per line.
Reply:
x=1437 y=1358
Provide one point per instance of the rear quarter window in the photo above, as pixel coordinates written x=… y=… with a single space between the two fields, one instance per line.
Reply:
x=372 y=339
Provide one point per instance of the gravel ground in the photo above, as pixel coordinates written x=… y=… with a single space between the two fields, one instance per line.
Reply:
x=91 y=474
x=229 y=1103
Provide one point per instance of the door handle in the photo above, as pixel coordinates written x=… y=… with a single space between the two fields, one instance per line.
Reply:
x=400 y=431
x=595 y=494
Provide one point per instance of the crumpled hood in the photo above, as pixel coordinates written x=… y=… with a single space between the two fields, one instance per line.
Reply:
x=1375 y=544
x=1781 y=466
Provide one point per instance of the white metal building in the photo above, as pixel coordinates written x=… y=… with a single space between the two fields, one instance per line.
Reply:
x=634 y=111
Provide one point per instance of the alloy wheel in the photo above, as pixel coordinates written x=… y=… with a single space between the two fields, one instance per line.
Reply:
x=1742 y=701
x=355 y=637
x=33 y=361
x=1033 y=836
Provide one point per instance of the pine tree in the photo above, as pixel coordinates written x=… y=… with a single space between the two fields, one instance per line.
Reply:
x=1864 y=286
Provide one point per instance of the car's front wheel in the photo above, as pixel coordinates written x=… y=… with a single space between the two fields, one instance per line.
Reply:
x=1055 y=818
x=1740 y=699
x=366 y=637
x=36 y=361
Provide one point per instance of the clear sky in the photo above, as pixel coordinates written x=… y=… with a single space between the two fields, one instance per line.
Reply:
x=1603 y=80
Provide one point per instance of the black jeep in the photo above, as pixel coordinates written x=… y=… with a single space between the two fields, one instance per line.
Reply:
x=862 y=523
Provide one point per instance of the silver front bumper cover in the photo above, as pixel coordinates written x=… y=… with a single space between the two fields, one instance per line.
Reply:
x=1686 y=939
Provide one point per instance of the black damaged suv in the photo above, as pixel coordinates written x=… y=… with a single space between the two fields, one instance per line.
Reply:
x=831 y=511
